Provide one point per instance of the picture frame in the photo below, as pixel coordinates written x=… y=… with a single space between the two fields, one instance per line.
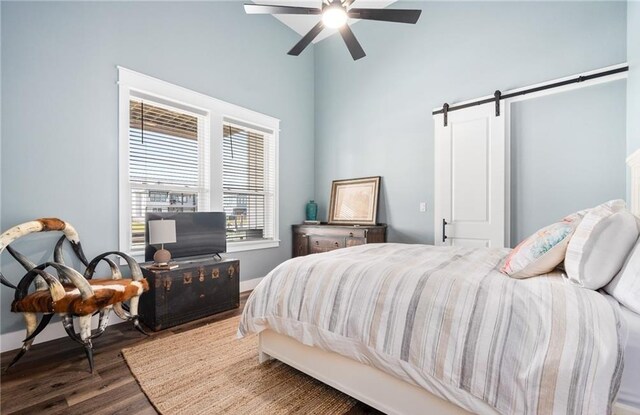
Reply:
x=354 y=201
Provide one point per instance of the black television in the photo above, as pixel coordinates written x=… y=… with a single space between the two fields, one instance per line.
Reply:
x=197 y=234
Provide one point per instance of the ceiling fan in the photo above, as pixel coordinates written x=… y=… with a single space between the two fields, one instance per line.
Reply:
x=335 y=14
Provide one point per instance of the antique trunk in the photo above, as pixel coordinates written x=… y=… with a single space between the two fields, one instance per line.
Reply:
x=311 y=239
x=193 y=290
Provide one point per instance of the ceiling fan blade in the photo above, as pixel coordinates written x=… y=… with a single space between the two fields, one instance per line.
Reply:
x=386 y=15
x=304 y=42
x=352 y=43
x=272 y=9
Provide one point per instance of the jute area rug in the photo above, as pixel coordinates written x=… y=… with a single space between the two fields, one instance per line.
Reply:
x=209 y=371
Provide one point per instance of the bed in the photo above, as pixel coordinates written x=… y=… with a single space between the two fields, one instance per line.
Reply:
x=629 y=394
x=412 y=329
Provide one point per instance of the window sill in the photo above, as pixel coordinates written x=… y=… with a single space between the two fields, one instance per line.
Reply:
x=136 y=255
x=251 y=245
x=231 y=247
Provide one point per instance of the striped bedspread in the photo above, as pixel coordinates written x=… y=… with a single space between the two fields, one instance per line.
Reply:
x=445 y=319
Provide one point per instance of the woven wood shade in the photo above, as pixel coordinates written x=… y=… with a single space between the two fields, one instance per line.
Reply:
x=160 y=120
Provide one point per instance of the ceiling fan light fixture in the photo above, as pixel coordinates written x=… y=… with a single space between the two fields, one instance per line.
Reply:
x=334 y=17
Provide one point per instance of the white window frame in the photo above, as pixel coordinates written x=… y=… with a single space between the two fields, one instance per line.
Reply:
x=132 y=84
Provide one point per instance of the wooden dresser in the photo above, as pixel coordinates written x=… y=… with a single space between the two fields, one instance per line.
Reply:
x=312 y=239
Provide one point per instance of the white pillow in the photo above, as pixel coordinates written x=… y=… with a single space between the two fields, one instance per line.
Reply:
x=625 y=287
x=600 y=245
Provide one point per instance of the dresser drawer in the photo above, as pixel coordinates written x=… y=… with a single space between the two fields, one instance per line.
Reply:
x=318 y=243
x=355 y=241
x=312 y=239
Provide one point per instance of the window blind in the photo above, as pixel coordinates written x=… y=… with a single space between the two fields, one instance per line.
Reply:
x=168 y=167
x=248 y=183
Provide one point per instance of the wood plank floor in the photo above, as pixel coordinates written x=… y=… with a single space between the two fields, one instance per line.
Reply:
x=53 y=377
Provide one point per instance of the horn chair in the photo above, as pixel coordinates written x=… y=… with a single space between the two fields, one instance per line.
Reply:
x=70 y=294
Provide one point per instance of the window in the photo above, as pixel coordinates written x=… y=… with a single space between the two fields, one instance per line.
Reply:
x=248 y=183
x=168 y=163
x=182 y=151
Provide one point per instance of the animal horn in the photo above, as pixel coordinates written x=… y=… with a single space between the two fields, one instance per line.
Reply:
x=136 y=272
x=17 y=231
x=28 y=265
x=56 y=289
x=77 y=248
x=23 y=260
x=115 y=270
x=76 y=279
x=30 y=321
x=58 y=256
x=120 y=312
x=43 y=323
x=6 y=282
x=75 y=245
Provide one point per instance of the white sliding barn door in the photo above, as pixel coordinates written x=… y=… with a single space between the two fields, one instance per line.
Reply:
x=471 y=177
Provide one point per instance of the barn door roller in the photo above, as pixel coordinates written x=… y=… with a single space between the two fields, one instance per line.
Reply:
x=497 y=96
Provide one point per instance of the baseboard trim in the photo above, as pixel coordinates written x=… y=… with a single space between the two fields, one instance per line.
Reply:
x=249 y=285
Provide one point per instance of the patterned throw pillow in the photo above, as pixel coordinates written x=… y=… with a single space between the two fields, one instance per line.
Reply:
x=543 y=251
x=600 y=245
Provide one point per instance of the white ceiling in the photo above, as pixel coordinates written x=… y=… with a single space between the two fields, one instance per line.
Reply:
x=303 y=23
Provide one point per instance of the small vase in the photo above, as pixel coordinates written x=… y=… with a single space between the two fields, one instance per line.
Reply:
x=312 y=210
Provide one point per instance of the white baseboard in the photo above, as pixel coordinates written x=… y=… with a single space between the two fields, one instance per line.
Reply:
x=13 y=340
x=249 y=285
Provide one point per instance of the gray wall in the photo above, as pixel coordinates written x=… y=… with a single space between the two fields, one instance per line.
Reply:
x=373 y=116
x=567 y=154
x=633 y=83
x=59 y=106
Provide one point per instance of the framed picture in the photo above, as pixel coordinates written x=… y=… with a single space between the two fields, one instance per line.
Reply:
x=354 y=201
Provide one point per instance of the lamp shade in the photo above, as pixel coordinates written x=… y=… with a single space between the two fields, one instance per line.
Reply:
x=162 y=232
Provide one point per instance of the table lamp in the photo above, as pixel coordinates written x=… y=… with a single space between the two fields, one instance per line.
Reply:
x=162 y=232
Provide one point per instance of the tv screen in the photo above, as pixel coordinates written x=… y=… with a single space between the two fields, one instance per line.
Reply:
x=197 y=234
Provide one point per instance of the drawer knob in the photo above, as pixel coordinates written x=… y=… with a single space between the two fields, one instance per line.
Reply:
x=215 y=273
x=336 y=244
x=201 y=274
x=317 y=243
x=350 y=234
x=231 y=271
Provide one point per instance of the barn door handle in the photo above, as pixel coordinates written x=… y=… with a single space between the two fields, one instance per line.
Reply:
x=444 y=230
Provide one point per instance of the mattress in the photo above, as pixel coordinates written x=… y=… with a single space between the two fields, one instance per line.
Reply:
x=629 y=393
x=445 y=319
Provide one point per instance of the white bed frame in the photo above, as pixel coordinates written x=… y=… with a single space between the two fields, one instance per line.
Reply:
x=375 y=387
x=365 y=383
